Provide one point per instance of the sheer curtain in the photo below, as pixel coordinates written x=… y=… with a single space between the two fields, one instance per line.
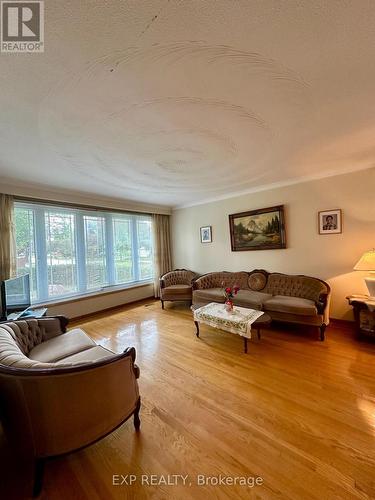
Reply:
x=162 y=248
x=7 y=239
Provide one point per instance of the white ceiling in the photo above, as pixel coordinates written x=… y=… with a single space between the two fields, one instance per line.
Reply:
x=176 y=102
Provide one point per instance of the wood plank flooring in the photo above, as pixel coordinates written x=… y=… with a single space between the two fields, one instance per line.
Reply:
x=296 y=412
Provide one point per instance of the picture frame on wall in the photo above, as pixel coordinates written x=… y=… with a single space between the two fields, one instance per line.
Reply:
x=330 y=221
x=262 y=229
x=206 y=234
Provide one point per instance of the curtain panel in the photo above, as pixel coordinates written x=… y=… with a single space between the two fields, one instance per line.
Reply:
x=7 y=238
x=162 y=248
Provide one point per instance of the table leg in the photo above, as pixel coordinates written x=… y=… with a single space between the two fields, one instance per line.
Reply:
x=258 y=333
x=197 y=327
x=245 y=345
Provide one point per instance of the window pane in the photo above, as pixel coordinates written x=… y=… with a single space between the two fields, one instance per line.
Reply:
x=71 y=251
x=25 y=246
x=122 y=242
x=61 y=253
x=145 y=257
x=96 y=269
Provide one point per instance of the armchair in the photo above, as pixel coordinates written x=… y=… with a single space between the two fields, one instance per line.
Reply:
x=177 y=285
x=53 y=408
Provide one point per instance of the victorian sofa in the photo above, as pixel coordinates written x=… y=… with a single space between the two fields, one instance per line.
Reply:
x=287 y=298
x=59 y=391
x=176 y=285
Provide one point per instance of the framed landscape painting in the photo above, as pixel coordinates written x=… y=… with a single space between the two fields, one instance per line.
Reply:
x=262 y=229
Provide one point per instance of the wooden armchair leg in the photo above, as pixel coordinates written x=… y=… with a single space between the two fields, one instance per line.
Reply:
x=38 y=477
x=137 y=421
x=322 y=332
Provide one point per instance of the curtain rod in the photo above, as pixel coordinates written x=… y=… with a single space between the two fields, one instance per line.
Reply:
x=76 y=205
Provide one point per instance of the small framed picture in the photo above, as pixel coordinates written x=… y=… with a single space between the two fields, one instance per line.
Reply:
x=206 y=234
x=330 y=222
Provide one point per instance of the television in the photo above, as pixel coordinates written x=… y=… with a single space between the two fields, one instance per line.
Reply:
x=15 y=295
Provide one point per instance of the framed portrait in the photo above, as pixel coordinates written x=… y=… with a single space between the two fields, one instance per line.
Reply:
x=206 y=234
x=330 y=221
x=262 y=229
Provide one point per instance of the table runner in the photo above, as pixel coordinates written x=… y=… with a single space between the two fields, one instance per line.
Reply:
x=239 y=321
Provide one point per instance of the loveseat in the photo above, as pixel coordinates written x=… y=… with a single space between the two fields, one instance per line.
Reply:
x=59 y=390
x=287 y=298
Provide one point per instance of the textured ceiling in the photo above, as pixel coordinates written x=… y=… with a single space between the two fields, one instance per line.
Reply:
x=178 y=102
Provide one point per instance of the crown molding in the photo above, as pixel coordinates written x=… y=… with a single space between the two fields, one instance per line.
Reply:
x=76 y=197
x=274 y=185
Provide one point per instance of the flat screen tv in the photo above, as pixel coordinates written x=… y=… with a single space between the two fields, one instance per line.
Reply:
x=15 y=295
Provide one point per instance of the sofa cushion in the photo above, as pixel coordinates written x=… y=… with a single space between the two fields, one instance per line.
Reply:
x=62 y=346
x=251 y=299
x=177 y=290
x=11 y=354
x=292 y=305
x=209 y=295
x=91 y=354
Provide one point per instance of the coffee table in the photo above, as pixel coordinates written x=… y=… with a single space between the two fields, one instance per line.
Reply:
x=239 y=322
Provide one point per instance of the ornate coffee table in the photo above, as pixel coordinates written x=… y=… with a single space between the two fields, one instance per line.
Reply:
x=239 y=322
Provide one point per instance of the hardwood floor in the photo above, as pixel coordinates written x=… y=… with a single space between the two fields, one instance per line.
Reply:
x=296 y=412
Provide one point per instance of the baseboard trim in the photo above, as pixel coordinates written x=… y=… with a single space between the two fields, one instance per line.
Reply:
x=121 y=307
x=343 y=323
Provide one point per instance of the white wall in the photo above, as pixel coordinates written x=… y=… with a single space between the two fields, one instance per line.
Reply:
x=329 y=257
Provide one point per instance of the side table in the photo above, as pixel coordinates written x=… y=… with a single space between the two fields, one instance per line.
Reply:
x=364 y=314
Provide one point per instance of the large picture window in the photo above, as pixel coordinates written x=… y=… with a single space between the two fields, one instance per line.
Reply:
x=70 y=252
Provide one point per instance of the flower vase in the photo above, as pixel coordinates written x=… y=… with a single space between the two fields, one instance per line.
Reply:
x=229 y=306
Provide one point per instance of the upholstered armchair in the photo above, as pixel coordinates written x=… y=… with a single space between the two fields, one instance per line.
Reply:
x=177 y=285
x=59 y=391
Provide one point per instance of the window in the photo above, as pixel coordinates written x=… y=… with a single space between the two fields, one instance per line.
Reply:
x=60 y=253
x=70 y=251
x=123 y=250
x=95 y=251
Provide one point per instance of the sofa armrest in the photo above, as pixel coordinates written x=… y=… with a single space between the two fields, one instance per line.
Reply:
x=322 y=306
x=53 y=325
x=162 y=283
x=130 y=351
x=321 y=303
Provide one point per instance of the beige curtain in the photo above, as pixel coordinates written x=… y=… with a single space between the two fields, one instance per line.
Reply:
x=7 y=239
x=162 y=248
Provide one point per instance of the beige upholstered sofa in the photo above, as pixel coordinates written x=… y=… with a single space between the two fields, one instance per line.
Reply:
x=176 y=285
x=287 y=298
x=59 y=391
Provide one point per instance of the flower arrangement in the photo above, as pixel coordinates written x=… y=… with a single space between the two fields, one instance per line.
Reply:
x=229 y=293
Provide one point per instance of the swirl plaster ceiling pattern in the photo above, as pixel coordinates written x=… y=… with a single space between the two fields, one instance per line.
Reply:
x=153 y=118
x=168 y=143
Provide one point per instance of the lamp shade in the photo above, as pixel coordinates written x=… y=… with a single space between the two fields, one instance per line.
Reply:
x=366 y=262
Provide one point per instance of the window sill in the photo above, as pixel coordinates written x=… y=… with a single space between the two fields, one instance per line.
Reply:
x=97 y=293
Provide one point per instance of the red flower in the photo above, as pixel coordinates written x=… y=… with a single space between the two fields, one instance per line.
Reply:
x=236 y=289
x=228 y=289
